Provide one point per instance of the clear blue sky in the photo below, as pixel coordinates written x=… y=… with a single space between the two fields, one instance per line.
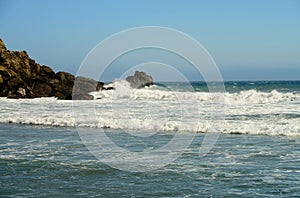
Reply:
x=249 y=39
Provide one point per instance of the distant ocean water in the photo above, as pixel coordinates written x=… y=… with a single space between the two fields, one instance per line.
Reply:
x=41 y=153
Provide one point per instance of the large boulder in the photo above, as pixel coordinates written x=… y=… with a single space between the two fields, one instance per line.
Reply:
x=140 y=80
x=83 y=86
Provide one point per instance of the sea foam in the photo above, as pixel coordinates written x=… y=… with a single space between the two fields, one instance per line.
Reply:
x=247 y=112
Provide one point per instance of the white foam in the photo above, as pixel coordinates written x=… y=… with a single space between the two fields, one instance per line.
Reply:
x=248 y=112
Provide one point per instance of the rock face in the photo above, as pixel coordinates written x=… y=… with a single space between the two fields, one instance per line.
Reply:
x=83 y=86
x=140 y=80
x=22 y=77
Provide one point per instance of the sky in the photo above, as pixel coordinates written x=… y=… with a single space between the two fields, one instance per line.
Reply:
x=248 y=39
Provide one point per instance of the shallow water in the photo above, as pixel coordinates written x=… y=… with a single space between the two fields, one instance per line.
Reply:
x=52 y=161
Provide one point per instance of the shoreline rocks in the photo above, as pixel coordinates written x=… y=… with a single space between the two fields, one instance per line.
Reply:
x=140 y=80
x=22 y=77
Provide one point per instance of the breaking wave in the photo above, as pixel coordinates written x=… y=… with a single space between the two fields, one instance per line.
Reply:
x=157 y=109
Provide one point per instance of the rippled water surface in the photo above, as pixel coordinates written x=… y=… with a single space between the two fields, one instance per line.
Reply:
x=52 y=161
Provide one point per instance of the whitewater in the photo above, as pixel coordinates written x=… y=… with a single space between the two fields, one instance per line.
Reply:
x=248 y=111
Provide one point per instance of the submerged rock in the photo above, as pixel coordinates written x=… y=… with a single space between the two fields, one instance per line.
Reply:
x=140 y=80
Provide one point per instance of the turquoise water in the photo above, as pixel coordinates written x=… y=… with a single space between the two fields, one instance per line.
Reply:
x=237 y=86
x=37 y=161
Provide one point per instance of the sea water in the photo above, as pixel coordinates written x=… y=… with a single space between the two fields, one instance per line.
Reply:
x=41 y=153
x=263 y=108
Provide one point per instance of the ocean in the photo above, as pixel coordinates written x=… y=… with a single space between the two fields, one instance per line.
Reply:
x=50 y=147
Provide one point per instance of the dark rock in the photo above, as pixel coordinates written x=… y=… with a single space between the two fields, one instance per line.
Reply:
x=46 y=71
x=140 y=80
x=109 y=88
x=63 y=85
x=1 y=79
x=83 y=86
x=65 y=77
x=22 y=77
x=2 y=46
x=41 y=89
x=16 y=82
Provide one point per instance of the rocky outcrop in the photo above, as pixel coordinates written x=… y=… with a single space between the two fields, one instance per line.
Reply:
x=140 y=80
x=22 y=77
x=83 y=86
